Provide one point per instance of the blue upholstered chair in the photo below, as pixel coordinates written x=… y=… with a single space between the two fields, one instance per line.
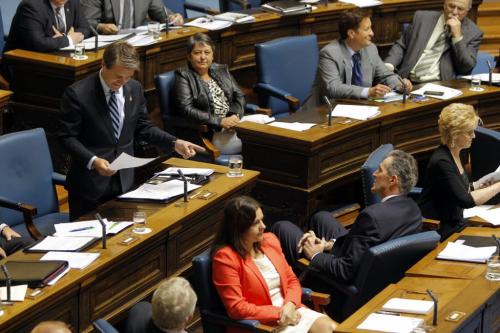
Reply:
x=9 y=8
x=2 y=38
x=381 y=265
x=235 y=5
x=102 y=326
x=212 y=311
x=286 y=71
x=28 y=200
x=485 y=155
x=182 y=6
x=482 y=62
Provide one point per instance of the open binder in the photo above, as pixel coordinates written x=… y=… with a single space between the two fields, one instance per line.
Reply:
x=35 y=274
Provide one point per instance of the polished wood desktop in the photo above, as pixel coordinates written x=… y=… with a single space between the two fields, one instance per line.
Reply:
x=5 y=96
x=124 y=275
x=297 y=168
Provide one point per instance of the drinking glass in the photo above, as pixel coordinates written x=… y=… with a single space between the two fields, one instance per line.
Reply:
x=235 y=166
x=79 y=51
x=139 y=220
x=154 y=30
x=475 y=83
x=493 y=268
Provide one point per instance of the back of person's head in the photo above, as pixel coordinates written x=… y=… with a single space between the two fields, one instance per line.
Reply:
x=199 y=38
x=404 y=166
x=51 y=327
x=173 y=304
x=121 y=53
x=455 y=119
x=239 y=215
x=351 y=19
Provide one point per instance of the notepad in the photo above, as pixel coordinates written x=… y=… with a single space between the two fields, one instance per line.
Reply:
x=405 y=305
x=459 y=252
x=51 y=243
x=447 y=92
x=76 y=260
x=359 y=112
x=390 y=323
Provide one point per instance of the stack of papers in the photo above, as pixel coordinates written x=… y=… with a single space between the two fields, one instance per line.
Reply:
x=235 y=17
x=17 y=293
x=415 y=306
x=474 y=211
x=159 y=192
x=287 y=7
x=390 y=323
x=459 y=252
x=208 y=23
x=76 y=260
x=485 y=77
x=141 y=39
x=258 y=118
x=447 y=92
x=90 y=228
x=363 y=3
x=491 y=215
x=103 y=40
x=51 y=243
x=293 y=126
x=359 y=112
x=173 y=171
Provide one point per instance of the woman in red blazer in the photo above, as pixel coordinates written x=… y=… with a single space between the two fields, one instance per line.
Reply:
x=252 y=276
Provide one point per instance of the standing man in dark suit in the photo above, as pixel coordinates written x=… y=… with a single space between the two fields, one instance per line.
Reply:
x=351 y=66
x=47 y=25
x=101 y=117
x=437 y=45
x=337 y=252
x=109 y=16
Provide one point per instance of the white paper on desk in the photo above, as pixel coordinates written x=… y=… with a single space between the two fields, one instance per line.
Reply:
x=209 y=24
x=76 y=260
x=161 y=191
x=125 y=161
x=234 y=17
x=51 y=243
x=293 y=126
x=485 y=77
x=172 y=171
x=459 y=252
x=415 y=306
x=390 y=323
x=363 y=3
x=470 y=212
x=145 y=27
x=448 y=92
x=57 y=278
x=89 y=45
x=17 y=293
x=491 y=215
x=103 y=40
x=258 y=118
x=141 y=40
x=393 y=97
x=359 y=112
x=68 y=229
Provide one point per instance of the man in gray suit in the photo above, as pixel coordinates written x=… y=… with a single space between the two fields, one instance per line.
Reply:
x=437 y=45
x=109 y=16
x=351 y=67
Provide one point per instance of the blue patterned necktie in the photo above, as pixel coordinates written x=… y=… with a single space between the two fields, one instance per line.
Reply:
x=357 y=74
x=114 y=113
x=60 y=22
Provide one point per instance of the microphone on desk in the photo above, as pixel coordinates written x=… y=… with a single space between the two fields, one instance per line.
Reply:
x=435 y=300
x=498 y=243
x=103 y=225
x=404 y=89
x=490 y=72
x=181 y=174
x=165 y=10
x=325 y=98
x=8 y=284
x=94 y=31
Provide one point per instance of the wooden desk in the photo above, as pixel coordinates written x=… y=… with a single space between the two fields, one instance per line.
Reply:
x=39 y=80
x=125 y=275
x=297 y=168
x=479 y=299
x=5 y=96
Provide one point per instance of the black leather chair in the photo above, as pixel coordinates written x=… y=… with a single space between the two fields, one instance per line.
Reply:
x=381 y=265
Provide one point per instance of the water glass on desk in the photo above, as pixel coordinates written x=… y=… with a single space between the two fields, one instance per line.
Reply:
x=139 y=220
x=493 y=268
x=475 y=83
x=79 y=51
x=235 y=166
x=154 y=30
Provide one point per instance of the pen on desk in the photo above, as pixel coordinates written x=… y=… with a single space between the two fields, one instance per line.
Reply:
x=81 y=229
x=388 y=313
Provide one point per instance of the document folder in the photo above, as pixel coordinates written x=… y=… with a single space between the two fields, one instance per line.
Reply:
x=35 y=274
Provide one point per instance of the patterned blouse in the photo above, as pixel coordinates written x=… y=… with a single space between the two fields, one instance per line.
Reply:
x=220 y=102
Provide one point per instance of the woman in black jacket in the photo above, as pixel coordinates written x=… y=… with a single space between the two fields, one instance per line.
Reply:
x=206 y=93
x=447 y=190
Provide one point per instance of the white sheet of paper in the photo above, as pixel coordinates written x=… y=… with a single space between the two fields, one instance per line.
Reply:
x=363 y=3
x=470 y=212
x=485 y=77
x=17 y=293
x=76 y=260
x=359 y=112
x=405 y=305
x=448 y=92
x=209 y=24
x=57 y=278
x=300 y=127
x=141 y=40
x=258 y=118
x=161 y=191
x=459 y=252
x=491 y=215
x=51 y=243
x=125 y=161
x=103 y=41
x=390 y=323
x=71 y=229
x=172 y=171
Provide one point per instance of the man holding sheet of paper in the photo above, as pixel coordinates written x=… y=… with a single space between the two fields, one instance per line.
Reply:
x=351 y=67
x=101 y=117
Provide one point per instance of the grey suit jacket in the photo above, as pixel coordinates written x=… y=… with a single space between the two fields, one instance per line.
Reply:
x=457 y=59
x=108 y=11
x=335 y=70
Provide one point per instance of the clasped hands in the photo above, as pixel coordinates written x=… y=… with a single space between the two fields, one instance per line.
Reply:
x=380 y=90
x=288 y=315
x=75 y=36
x=310 y=245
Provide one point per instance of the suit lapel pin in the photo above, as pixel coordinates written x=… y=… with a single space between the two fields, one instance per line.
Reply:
x=130 y=99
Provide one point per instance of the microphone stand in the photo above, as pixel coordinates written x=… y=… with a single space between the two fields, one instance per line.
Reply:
x=490 y=73
x=94 y=31
x=330 y=111
x=103 y=225
x=435 y=300
x=166 y=20
x=181 y=174
x=8 y=284
x=404 y=89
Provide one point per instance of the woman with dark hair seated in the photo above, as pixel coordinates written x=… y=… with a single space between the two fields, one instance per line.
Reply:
x=206 y=93
x=252 y=276
x=447 y=190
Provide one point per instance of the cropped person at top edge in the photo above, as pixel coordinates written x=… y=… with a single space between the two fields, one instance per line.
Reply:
x=252 y=276
x=447 y=190
x=206 y=93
